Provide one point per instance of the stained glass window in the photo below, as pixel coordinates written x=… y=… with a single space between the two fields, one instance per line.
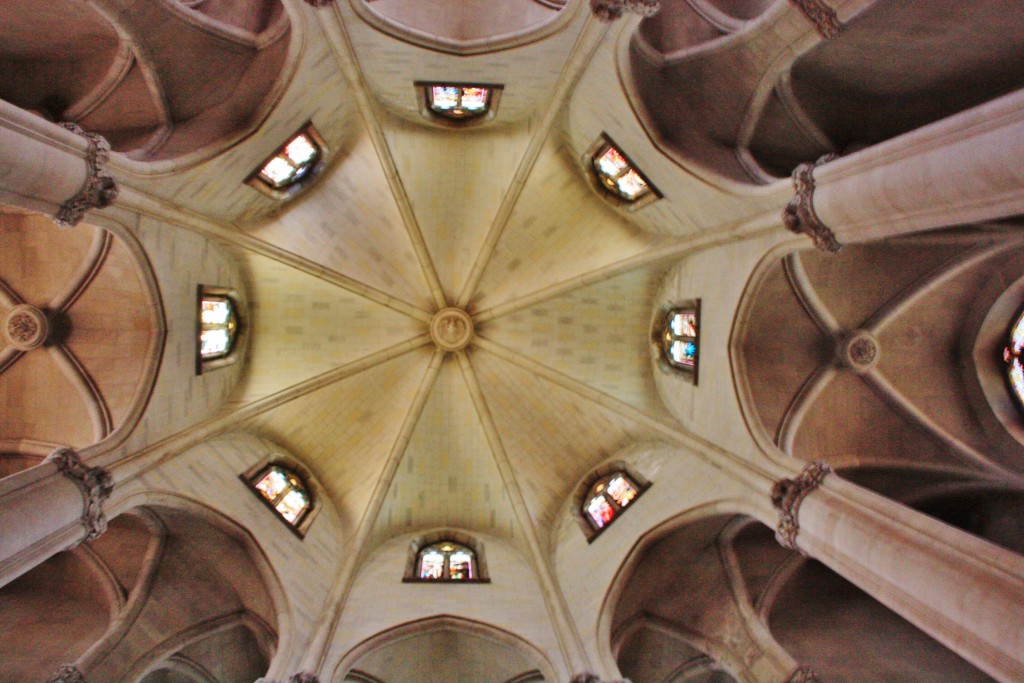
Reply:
x=458 y=101
x=680 y=339
x=446 y=561
x=284 y=491
x=294 y=161
x=218 y=325
x=1012 y=358
x=618 y=175
x=608 y=497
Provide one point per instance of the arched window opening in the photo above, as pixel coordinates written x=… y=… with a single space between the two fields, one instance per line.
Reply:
x=1012 y=358
x=677 y=336
x=218 y=328
x=285 y=493
x=458 y=104
x=446 y=561
x=293 y=166
x=608 y=497
x=619 y=176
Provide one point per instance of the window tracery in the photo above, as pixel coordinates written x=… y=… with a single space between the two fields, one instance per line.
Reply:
x=218 y=328
x=1012 y=357
x=446 y=561
x=458 y=104
x=292 y=166
x=619 y=176
x=608 y=497
x=284 y=492
x=677 y=337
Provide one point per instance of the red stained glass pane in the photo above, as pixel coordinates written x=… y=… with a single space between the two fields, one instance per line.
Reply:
x=600 y=510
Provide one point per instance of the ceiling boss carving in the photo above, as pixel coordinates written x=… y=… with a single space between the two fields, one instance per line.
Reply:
x=25 y=327
x=451 y=329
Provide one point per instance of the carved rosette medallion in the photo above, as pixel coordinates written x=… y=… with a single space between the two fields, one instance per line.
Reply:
x=788 y=494
x=799 y=215
x=824 y=18
x=451 y=329
x=25 y=327
x=67 y=673
x=611 y=10
x=95 y=483
x=859 y=351
x=99 y=189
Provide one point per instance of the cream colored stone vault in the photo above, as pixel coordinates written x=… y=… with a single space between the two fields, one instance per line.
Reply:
x=449 y=331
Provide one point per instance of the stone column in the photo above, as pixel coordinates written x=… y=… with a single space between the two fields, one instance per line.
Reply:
x=964 y=169
x=57 y=169
x=963 y=591
x=49 y=508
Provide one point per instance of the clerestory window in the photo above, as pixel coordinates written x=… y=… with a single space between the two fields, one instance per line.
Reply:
x=292 y=166
x=284 y=492
x=218 y=327
x=619 y=176
x=676 y=336
x=458 y=104
x=1012 y=357
x=608 y=497
x=446 y=561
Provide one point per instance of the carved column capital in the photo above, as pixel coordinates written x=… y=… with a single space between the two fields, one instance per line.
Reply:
x=803 y=674
x=95 y=483
x=99 y=189
x=788 y=494
x=799 y=215
x=824 y=18
x=304 y=678
x=68 y=673
x=611 y=10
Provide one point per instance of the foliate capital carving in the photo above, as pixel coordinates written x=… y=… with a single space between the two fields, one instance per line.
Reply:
x=99 y=189
x=803 y=674
x=799 y=215
x=611 y=10
x=95 y=483
x=304 y=678
x=68 y=673
x=824 y=18
x=788 y=494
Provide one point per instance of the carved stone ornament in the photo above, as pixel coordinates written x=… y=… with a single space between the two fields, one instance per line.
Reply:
x=95 y=483
x=610 y=10
x=304 y=678
x=587 y=677
x=318 y=3
x=787 y=494
x=68 y=673
x=803 y=674
x=451 y=329
x=25 y=327
x=799 y=215
x=859 y=351
x=822 y=16
x=99 y=189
